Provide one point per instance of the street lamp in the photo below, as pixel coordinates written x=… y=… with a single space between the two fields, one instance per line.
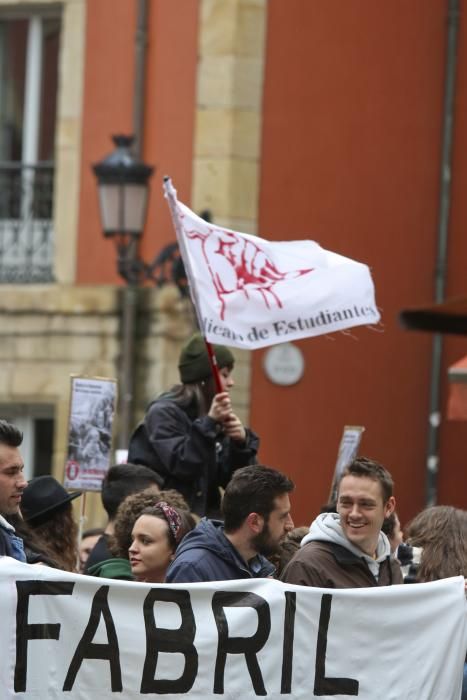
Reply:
x=123 y=195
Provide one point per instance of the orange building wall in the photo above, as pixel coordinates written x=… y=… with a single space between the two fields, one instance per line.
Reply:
x=108 y=109
x=353 y=104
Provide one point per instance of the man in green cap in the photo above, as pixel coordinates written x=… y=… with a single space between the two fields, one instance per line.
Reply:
x=191 y=436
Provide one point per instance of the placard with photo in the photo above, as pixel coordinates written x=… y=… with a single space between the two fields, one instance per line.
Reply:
x=90 y=427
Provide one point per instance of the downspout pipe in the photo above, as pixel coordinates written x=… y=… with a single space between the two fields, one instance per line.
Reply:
x=141 y=41
x=129 y=293
x=432 y=464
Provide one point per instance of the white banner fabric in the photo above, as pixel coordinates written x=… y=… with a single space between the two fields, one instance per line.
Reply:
x=77 y=637
x=251 y=293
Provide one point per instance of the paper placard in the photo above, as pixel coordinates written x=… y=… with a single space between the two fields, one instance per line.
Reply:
x=90 y=425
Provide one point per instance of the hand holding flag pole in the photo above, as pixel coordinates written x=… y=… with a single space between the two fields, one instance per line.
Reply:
x=171 y=196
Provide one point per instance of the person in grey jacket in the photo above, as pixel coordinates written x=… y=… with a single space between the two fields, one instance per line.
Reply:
x=256 y=509
x=347 y=549
x=190 y=435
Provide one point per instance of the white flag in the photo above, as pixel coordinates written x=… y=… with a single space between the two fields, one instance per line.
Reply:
x=251 y=293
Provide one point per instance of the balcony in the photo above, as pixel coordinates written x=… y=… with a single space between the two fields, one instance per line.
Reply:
x=26 y=226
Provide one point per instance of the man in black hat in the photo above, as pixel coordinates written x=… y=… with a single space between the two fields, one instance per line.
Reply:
x=12 y=484
x=190 y=434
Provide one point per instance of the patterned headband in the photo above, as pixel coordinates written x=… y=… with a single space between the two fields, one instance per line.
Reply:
x=173 y=518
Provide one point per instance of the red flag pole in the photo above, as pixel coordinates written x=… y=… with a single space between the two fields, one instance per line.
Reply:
x=171 y=196
x=214 y=367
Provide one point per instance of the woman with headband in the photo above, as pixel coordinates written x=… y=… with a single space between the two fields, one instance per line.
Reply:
x=118 y=566
x=156 y=535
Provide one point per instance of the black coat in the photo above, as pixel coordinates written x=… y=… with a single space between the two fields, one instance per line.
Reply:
x=192 y=455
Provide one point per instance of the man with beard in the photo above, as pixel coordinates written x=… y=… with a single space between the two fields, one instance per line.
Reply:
x=12 y=485
x=256 y=510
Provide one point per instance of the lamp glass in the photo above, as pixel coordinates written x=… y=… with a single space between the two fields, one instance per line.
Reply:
x=123 y=208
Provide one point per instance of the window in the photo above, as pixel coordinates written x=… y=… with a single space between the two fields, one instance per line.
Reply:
x=29 y=49
x=36 y=422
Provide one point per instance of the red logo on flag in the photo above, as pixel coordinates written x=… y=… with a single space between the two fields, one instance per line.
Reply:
x=237 y=264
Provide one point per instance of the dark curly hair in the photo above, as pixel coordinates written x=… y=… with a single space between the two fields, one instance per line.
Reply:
x=130 y=510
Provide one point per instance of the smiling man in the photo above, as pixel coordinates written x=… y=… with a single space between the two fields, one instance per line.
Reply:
x=347 y=549
x=12 y=484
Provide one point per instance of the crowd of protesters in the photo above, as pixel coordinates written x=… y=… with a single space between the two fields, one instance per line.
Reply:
x=192 y=504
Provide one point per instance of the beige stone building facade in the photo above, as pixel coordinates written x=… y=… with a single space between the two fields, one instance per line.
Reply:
x=50 y=331
x=287 y=119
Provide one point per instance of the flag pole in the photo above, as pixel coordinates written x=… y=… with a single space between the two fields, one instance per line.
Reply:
x=170 y=194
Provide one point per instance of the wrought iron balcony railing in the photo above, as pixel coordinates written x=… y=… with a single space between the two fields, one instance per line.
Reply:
x=26 y=226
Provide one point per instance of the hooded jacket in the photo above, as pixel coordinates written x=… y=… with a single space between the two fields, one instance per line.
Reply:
x=205 y=554
x=327 y=559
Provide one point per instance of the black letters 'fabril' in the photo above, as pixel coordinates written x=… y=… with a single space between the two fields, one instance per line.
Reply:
x=249 y=646
x=175 y=641
x=323 y=685
x=25 y=631
x=87 y=649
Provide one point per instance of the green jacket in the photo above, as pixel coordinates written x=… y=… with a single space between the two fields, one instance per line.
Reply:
x=112 y=568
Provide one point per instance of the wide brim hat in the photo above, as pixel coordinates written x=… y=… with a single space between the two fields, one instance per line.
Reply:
x=44 y=495
x=447 y=317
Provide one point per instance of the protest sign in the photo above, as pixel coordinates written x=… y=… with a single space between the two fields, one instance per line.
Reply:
x=250 y=293
x=348 y=447
x=92 y=409
x=69 y=636
x=348 y=450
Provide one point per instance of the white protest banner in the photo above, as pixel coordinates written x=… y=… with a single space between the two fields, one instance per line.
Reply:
x=92 y=409
x=77 y=637
x=250 y=293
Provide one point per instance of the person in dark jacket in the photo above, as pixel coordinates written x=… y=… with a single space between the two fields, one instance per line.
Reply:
x=256 y=509
x=12 y=485
x=190 y=435
x=347 y=549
